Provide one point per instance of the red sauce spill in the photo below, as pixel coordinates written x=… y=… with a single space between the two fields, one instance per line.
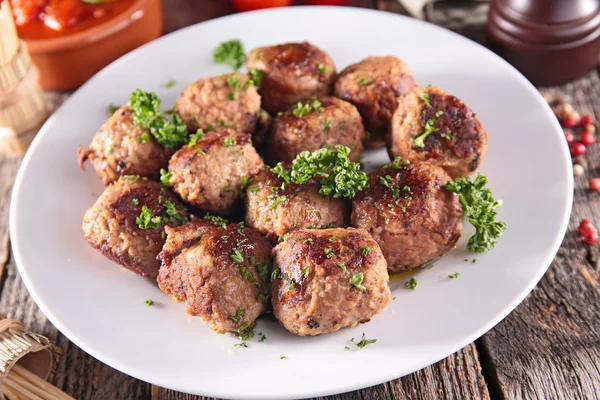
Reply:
x=43 y=19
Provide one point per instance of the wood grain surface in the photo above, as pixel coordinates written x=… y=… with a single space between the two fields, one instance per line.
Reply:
x=548 y=348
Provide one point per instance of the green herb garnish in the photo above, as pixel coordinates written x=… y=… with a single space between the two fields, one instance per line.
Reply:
x=322 y=68
x=479 y=207
x=256 y=77
x=170 y=83
x=237 y=256
x=194 y=137
x=149 y=303
x=215 y=219
x=112 y=108
x=419 y=141
x=453 y=276
x=363 y=341
x=165 y=177
x=357 y=280
x=231 y=53
x=425 y=98
x=173 y=214
x=146 y=220
x=411 y=284
x=343 y=267
x=301 y=109
x=167 y=128
x=366 y=250
x=363 y=82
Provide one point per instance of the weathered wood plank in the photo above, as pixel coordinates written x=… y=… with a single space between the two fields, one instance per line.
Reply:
x=549 y=347
x=456 y=377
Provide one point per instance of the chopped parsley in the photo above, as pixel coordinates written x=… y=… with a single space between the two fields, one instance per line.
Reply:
x=229 y=142
x=398 y=163
x=339 y=177
x=275 y=274
x=130 y=178
x=237 y=317
x=173 y=214
x=326 y=125
x=300 y=109
x=135 y=201
x=282 y=357
x=231 y=53
x=215 y=219
x=453 y=276
x=149 y=302
x=363 y=82
x=343 y=267
x=245 y=331
x=479 y=207
x=194 y=137
x=329 y=253
x=170 y=83
x=322 y=68
x=165 y=177
x=305 y=272
x=234 y=82
x=366 y=250
x=262 y=338
x=167 y=127
x=112 y=108
x=146 y=220
x=256 y=77
x=144 y=138
x=425 y=98
x=357 y=280
x=223 y=123
x=411 y=284
x=419 y=141
x=446 y=136
x=363 y=341
x=276 y=200
x=241 y=344
x=237 y=256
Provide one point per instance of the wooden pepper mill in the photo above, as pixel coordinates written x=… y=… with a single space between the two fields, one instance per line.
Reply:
x=549 y=41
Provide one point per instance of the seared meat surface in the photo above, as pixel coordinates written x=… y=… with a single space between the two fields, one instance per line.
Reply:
x=410 y=213
x=373 y=86
x=293 y=72
x=334 y=122
x=221 y=272
x=457 y=142
x=118 y=227
x=274 y=212
x=327 y=280
x=222 y=101
x=209 y=174
x=120 y=147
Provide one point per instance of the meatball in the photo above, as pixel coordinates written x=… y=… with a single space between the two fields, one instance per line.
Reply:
x=373 y=85
x=432 y=125
x=221 y=272
x=410 y=213
x=330 y=121
x=273 y=211
x=327 y=280
x=229 y=100
x=126 y=223
x=293 y=72
x=209 y=173
x=121 y=147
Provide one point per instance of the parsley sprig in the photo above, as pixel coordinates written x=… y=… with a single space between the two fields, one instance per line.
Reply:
x=363 y=341
x=480 y=208
x=339 y=177
x=231 y=53
x=167 y=127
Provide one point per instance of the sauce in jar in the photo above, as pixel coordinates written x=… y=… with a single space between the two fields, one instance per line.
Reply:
x=43 y=19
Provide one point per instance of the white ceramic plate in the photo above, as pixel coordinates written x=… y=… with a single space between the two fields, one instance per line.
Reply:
x=100 y=306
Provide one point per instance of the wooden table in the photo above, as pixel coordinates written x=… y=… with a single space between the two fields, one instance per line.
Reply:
x=548 y=348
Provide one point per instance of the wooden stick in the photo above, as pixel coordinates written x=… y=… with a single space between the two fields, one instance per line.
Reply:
x=32 y=387
x=9 y=393
x=39 y=382
x=22 y=392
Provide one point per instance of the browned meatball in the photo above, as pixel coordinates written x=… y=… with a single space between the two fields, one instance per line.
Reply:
x=373 y=86
x=327 y=280
x=226 y=100
x=330 y=121
x=126 y=223
x=432 y=125
x=410 y=213
x=293 y=72
x=275 y=212
x=121 y=147
x=208 y=175
x=221 y=272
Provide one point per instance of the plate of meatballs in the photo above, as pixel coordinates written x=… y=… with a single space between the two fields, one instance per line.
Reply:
x=291 y=203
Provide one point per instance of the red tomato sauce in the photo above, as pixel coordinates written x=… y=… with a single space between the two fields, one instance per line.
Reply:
x=43 y=19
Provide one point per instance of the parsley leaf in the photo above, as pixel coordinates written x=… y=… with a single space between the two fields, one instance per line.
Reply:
x=425 y=98
x=301 y=109
x=112 y=108
x=170 y=83
x=419 y=141
x=165 y=177
x=339 y=177
x=194 y=137
x=169 y=132
x=237 y=256
x=256 y=76
x=149 y=302
x=215 y=219
x=411 y=284
x=229 y=142
x=479 y=207
x=453 y=276
x=322 y=68
x=363 y=82
x=146 y=220
x=231 y=53
x=357 y=280
x=366 y=250
x=173 y=214
x=363 y=341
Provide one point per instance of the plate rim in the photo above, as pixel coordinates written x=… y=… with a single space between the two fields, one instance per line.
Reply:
x=466 y=340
